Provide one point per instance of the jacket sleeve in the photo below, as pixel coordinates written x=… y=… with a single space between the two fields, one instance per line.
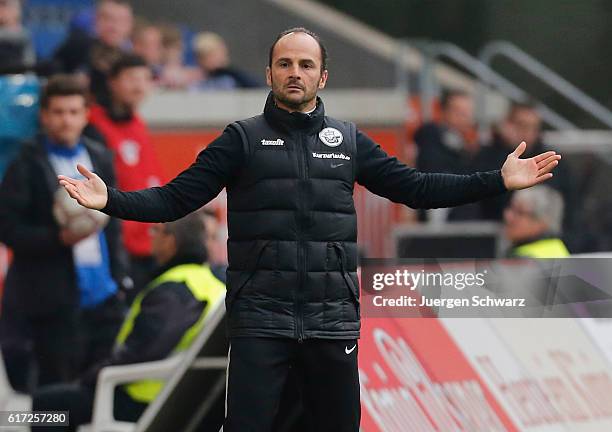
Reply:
x=213 y=169
x=389 y=178
x=15 y=198
x=166 y=313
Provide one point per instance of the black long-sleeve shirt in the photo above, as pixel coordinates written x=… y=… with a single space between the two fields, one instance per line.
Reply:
x=218 y=164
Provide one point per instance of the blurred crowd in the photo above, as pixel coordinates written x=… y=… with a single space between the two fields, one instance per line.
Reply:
x=97 y=37
x=450 y=145
x=84 y=292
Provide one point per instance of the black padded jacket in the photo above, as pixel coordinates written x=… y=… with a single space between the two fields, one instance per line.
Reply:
x=291 y=217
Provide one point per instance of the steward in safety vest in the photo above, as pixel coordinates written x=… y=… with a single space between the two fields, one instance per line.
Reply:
x=532 y=223
x=205 y=289
x=169 y=313
x=163 y=320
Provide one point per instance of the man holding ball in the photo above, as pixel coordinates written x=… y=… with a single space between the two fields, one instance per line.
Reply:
x=61 y=278
x=293 y=297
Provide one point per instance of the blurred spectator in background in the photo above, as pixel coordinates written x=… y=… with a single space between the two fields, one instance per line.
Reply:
x=175 y=74
x=594 y=214
x=216 y=237
x=15 y=45
x=165 y=318
x=84 y=21
x=91 y=56
x=147 y=43
x=523 y=123
x=214 y=62
x=444 y=147
x=125 y=133
x=60 y=278
x=533 y=223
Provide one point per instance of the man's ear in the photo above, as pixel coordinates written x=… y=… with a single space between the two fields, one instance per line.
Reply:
x=172 y=245
x=323 y=79
x=268 y=76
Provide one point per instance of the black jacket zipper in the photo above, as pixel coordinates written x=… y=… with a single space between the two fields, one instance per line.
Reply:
x=303 y=169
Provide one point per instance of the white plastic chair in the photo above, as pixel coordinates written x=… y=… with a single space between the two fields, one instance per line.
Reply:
x=109 y=377
x=112 y=376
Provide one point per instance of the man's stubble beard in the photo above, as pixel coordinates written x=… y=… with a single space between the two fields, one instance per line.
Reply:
x=292 y=104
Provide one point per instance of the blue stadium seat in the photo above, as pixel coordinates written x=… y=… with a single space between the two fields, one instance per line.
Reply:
x=47 y=39
x=49 y=21
x=18 y=114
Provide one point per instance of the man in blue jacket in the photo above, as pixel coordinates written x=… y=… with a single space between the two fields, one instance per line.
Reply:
x=293 y=298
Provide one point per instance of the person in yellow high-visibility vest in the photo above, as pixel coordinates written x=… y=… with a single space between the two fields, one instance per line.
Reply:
x=163 y=319
x=532 y=223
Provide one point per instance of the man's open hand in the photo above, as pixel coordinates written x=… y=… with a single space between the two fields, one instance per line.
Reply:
x=523 y=173
x=90 y=193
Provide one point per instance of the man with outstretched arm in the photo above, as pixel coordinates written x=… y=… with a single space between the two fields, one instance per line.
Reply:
x=293 y=298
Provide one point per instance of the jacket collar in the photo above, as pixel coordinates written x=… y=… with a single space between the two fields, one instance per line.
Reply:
x=38 y=149
x=544 y=236
x=68 y=152
x=38 y=152
x=294 y=121
x=180 y=259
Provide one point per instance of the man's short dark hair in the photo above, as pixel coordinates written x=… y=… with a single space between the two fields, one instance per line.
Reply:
x=126 y=61
x=189 y=233
x=449 y=95
x=528 y=105
x=63 y=85
x=309 y=33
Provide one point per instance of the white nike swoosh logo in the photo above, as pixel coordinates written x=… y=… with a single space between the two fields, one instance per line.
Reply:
x=336 y=165
x=348 y=351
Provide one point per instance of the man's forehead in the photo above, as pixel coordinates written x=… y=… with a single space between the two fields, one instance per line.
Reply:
x=297 y=43
x=134 y=70
x=522 y=203
x=66 y=101
x=460 y=100
x=525 y=113
x=110 y=6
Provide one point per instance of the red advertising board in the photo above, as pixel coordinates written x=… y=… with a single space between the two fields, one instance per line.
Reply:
x=177 y=149
x=415 y=378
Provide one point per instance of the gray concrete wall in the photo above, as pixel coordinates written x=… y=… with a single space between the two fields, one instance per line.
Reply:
x=377 y=108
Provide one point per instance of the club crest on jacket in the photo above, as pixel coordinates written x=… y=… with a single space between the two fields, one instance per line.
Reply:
x=331 y=137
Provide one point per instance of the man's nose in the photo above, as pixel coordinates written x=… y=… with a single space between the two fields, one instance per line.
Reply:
x=294 y=72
